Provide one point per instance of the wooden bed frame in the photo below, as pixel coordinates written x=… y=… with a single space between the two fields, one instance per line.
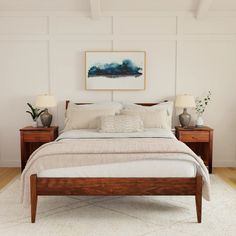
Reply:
x=48 y=186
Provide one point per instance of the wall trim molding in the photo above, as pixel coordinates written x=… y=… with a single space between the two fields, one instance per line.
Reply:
x=12 y=163
x=117 y=13
x=224 y=164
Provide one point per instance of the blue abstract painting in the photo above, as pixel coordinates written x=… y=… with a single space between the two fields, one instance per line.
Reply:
x=116 y=70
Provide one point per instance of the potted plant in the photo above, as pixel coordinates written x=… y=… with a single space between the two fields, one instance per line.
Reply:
x=35 y=113
x=201 y=104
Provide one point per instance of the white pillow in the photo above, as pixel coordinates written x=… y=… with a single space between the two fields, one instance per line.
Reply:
x=121 y=124
x=151 y=119
x=116 y=106
x=167 y=106
x=85 y=118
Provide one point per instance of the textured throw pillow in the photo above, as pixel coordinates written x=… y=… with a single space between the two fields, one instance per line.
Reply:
x=166 y=106
x=151 y=119
x=121 y=124
x=85 y=118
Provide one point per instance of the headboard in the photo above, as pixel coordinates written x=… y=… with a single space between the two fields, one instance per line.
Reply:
x=141 y=104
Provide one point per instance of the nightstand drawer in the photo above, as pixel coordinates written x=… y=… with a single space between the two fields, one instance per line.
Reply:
x=37 y=137
x=196 y=136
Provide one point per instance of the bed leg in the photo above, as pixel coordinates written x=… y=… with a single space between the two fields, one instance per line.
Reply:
x=34 y=196
x=198 y=198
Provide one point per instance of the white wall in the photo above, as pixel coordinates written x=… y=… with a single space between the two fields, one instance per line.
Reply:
x=44 y=52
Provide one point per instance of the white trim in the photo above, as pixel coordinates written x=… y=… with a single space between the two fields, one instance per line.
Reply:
x=203 y=8
x=224 y=164
x=12 y=163
x=95 y=8
x=117 y=13
x=196 y=37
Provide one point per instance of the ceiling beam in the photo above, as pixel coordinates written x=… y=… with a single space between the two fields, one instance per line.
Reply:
x=203 y=8
x=95 y=8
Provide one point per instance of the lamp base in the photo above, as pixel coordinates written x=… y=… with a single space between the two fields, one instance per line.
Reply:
x=46 y=118
x=185 y=119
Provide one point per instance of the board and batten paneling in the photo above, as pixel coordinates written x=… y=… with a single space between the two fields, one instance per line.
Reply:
x=210 y=25
x=23 y=73
x=215 y=70
x=145 y=25
x=45 y=52
x=23 y=25
x=82 y=25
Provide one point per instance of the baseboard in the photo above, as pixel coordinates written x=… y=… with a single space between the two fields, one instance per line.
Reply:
x=10 y=163
x=224 y=164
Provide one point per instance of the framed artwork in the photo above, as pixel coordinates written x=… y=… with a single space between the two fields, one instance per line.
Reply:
x=116 y=70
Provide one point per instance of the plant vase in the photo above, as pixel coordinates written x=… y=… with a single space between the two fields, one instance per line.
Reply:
x=35 y=123
x=200 y=121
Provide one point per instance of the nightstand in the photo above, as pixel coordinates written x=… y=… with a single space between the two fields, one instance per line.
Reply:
x=32 y=138
x=200 y=140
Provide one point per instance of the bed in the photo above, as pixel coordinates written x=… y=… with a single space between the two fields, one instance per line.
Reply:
x=89 y=163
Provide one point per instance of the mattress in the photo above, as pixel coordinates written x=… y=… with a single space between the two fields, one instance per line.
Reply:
x=139 y=168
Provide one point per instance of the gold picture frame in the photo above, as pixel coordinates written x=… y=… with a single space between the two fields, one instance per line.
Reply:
x=115 y=70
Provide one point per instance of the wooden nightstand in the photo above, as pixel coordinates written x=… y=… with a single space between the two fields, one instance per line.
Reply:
x=200 y=140
x=32 y=138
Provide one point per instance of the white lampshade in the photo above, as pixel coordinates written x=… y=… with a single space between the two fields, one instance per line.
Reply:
x=45 y=101
x=185 y=101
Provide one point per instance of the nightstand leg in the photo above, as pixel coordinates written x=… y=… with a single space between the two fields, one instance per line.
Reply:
x=210 y=151
x=210 y=168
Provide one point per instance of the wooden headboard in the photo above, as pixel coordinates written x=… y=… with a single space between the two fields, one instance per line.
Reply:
x=141 y=104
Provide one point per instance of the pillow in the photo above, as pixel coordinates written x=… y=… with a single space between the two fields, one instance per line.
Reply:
x=151 y=119
x=121 y=124
x=116 y=106
x=167 y=106
x=85 y=118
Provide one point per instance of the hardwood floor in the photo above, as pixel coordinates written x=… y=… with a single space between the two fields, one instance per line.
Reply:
x=227 y=174
x=7 y=174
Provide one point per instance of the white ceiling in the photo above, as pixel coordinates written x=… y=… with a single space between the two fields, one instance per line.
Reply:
x=115 y=5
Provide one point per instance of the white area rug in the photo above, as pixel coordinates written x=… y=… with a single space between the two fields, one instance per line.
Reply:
x=108 y=216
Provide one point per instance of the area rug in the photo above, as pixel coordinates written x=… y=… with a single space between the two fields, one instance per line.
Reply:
x=108 y=216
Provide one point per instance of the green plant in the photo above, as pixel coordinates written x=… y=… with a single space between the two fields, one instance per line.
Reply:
x=35 y=112
x=201 y=103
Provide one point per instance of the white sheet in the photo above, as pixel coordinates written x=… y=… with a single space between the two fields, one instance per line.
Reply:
x=139 y=168
x=94 y=134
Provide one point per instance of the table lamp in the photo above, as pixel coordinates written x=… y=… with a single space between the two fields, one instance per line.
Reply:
x=45 y=101
x=185 y=101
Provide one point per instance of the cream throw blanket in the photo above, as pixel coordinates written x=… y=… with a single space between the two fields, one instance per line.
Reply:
x=82 y=152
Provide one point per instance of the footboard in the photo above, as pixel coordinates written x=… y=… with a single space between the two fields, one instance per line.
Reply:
x=115 y=187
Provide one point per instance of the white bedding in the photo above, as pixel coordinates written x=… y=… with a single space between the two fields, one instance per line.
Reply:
x=94 y=134
x=87 y=153
x=139 y=168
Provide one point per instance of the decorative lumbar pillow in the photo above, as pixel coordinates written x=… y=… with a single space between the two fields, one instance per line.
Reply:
x=166 y=106
x=85 y=118
x=151 y=119
x=121 y=124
